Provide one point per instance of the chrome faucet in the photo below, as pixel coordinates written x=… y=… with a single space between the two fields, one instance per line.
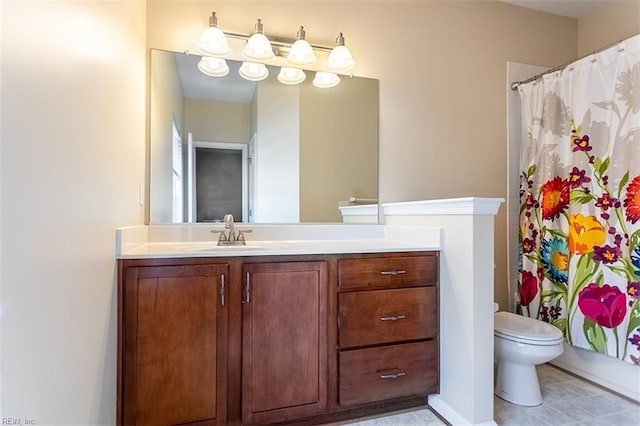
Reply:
x=229 y=224
x=230 y=237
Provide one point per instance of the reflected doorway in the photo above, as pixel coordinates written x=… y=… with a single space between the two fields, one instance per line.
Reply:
x=218 y=181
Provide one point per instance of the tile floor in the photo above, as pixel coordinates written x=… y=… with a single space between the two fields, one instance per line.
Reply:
x=566 y=400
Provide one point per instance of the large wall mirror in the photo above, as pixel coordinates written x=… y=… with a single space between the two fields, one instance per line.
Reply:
x=263 y=151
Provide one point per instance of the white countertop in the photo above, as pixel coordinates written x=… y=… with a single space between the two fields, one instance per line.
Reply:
x=162 y=241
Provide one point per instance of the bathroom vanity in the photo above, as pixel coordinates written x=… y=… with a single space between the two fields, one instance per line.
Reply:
x=277 y=331
x=253 y=337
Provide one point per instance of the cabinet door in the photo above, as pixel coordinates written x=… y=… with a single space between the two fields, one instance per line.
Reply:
x=174 y=340
x=284 y=341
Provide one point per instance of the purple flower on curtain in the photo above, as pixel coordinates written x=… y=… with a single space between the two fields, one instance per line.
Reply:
x=577 y=177
x=582 y=144
x=555 y=312
x=635 y=360
x=633 y=290
x=606 y=201
x=544 y=314
x=528 y=244
x=635 y=340
x=606 y=254
x=554 y=255
x=555 y=198
x=528 y=288
x=632 y=200
x=606 y=305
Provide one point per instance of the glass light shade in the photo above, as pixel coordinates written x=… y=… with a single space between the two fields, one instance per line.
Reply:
x=214 y=67
x=253 y=72
x=291 y=76
x=213 y=42
x=258 y=47
x=325 y=80
x=301 y=53
x=340 y=60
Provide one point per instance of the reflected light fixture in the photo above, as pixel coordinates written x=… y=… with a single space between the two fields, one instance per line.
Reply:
x=214 y=67
x=325 y=80
x=258 y=46
x=213 y=42
x=340 y=59
x=253 y=72
x=301 y=52
x=291 y=76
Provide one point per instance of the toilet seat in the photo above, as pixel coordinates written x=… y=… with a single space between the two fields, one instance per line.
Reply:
x=525 y=330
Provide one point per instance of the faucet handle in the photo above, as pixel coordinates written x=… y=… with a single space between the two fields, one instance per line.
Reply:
x=241 y=234
x=223 y=236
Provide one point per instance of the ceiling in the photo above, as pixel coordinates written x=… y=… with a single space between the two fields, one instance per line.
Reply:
x=571 y=8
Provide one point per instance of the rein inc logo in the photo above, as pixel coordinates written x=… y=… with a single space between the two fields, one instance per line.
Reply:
x=16 y=421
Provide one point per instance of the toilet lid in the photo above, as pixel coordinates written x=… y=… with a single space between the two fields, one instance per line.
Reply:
x=524 y=328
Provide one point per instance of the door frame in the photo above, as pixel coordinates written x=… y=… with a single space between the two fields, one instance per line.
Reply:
x=191 y=164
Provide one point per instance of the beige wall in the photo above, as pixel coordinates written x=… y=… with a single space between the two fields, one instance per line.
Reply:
x=73 y=154
x=617 y=20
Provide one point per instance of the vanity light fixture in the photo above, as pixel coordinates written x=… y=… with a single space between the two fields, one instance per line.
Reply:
x=214 y=67
x=325 y=80
x=301 y=52
x=340 y=58
x=213 y=42
x=253 y=72
x=291 y=76
x=258 y=46
x=258 y=49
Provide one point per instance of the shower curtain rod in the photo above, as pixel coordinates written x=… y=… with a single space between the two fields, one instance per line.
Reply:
x=516 y=84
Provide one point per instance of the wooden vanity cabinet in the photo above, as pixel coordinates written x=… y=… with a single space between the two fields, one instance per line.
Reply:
x=387 y=328
x=275 y=339
x=284 y=341
x=172 y=346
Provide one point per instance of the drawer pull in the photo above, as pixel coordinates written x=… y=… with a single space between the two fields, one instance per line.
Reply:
x=393 y=317
x=392 y=375
x=397 y=272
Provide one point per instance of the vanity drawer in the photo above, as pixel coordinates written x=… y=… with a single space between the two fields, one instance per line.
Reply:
x=374 y=374
x=388 y=272
x=385 y=316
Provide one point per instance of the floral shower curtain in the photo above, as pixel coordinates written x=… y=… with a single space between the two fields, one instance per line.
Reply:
x=580 y=201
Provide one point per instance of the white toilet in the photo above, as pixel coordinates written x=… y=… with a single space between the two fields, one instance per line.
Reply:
x=520 y=343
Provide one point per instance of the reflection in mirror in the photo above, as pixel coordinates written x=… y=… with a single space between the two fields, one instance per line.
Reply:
x=264 y=151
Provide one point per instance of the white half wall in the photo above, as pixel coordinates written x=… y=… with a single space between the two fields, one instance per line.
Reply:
x=466 y=301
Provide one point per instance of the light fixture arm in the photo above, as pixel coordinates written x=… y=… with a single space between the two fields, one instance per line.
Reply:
x=213 y=20
x=277 y=41
x=301 y=33
x=259 y=28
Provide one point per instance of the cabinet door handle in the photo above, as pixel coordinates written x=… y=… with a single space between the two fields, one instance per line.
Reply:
x=392 y=375
x=222 y=289
x=247 y=289
x=393 y=317
x=396 y=272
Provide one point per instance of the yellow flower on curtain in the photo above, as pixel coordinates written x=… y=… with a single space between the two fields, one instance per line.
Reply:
x=585 y=232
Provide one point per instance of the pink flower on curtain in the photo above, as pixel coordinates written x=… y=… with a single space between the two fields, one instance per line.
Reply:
x=632 y=200
x=606 y=305
x=528 y=288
